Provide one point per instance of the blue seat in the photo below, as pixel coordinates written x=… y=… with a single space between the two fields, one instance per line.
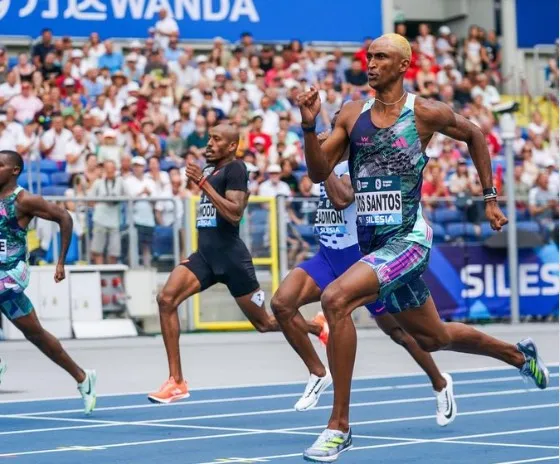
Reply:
x=486 y=230
x=439 y=233
x=73 y=254
x=49 y=166
x=529 y=226
x=162 y=242
x=299 y=174
x=464 y=230
x=445 y=216
x=36 y=178
x=60 y=178
x=54 y=190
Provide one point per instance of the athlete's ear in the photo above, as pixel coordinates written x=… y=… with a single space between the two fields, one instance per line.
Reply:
x=405 y=63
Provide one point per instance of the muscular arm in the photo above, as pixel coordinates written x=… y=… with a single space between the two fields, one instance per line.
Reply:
x=438 y=117
x=35 y=206
x=339 y=190
x=231 y=206
x=322 y=158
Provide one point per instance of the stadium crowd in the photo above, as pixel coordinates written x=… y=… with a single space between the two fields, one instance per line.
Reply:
x=109 y=123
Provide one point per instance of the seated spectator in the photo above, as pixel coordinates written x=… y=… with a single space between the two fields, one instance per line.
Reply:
x=543 y=205
x=274 y=187
x=489 y=93
x=55 y=141
x=111 y=59
x=433 y=187
x=288 y=177
x=26 y=104
x=109 y=150
x=541 y=154
x=77 y=151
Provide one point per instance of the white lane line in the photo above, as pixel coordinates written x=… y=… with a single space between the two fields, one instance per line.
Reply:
x=524 y=461
x=275 y=384
x=506 y=445
x=187 y=403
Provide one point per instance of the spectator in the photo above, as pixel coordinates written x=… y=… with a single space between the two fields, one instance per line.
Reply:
x=489 y=93
x=543 y=205
x=77 y=151
x=541 y=154
x=110 y=59
x=287 y=176
x=43 y=48
x=55 y=141
x=274 y=187
x=27 y=142
x=165 y=28
x=448 y=75
x=536 y=127
x=26 y=104
x=9 y=89
x=426 y=41
x=7 y=141
x=472 y=52
x=106 y=216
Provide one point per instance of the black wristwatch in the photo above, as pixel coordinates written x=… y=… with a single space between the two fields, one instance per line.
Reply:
x=490 y=194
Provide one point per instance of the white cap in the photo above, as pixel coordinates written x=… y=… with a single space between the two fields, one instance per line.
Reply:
x=330 y=58
x=69 y=81
x=220 y=71
x=274 y=169
x=295 y=67
x=201 y=59
x=139 y=160
x=77 y=53
x=110 y=133
x=132 y=57
x=444 y=30
x=259 y=140
x=135 y=44
x=131 y=101
x=448 y=62
x=133 y=86
x=251 y=167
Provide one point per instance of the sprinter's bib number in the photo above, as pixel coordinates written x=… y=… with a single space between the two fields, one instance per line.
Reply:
x=206 y=214
x=379 y=201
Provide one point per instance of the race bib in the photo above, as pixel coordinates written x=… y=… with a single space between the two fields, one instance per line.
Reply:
x=379 y=201
x=206 y=214
x=329 y=221
x=3 y=250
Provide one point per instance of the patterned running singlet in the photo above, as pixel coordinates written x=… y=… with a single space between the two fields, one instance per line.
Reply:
x=13 y=239
x=386 y=171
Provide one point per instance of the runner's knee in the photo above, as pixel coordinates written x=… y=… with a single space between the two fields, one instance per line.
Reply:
x=281 y=307
x=166 y=301
x=334 y=303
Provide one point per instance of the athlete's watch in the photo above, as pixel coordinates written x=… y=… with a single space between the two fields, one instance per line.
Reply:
x=490 y=194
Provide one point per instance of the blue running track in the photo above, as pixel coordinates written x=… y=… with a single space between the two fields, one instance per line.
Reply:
x=501 y=420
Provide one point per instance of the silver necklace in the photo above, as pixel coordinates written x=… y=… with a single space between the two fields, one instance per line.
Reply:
x=390 y=104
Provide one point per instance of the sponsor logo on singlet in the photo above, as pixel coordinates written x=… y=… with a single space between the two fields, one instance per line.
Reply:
x=379 y=200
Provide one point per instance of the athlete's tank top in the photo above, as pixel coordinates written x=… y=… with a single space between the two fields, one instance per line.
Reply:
x=336 y=229
x=386 y=171
x=13 y=239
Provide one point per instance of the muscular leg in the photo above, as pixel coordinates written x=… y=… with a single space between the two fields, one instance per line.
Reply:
x=391 y=327
x=356 y=287
x=297 y=290
x=433 y=334
x=180 y=285
x=48 y=344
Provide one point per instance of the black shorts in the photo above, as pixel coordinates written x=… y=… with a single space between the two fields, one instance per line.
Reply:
x=233 y=268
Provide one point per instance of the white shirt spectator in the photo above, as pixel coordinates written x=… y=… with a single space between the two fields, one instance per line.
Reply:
x=542 y=157
x=29 y=144
x=443 y=79
x=171 y=211
x=164 y=27
x=271 y=122
x=61 y=142
x=187 y=76
x=490 y=95
x=26 y=107
x=8 y=91
x=270 y=189
x=14 y=128
x=80 y=149
x=143 y=212
x=7 y=141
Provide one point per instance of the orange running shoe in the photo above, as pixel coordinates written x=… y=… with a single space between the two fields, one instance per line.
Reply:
x=322 y=321
x=170 y=391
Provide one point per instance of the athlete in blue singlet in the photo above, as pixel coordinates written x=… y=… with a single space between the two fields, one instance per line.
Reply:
x=335 y=226
x=387 y=137
x=17 y=209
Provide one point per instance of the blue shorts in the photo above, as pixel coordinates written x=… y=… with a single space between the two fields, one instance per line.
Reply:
x=328 y=265
x=13 y=302
x=398 y=268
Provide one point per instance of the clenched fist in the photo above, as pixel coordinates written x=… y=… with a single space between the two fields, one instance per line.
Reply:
x=309 y=105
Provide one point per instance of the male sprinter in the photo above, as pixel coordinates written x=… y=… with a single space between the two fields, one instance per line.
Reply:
x=387 y=137
x=17 y=208
x=335 y=224
x=221 y=257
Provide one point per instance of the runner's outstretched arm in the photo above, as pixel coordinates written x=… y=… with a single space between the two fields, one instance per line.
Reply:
x=35 y=206
x=321 y=158
x=440 y=118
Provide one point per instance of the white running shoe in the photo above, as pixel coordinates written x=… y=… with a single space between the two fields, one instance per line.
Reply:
x=446 y=408
x=315 y=386
x=3 y=369
x=87 y=390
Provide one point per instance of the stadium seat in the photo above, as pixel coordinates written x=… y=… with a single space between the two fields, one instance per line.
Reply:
x=445 y=216
x=529 y=226
x=439 y=233
x=162 y=242
x=73 y=250
x=486 y=230
x=464 y=230
x=49 y=166
x=54 y=190
x=36 y=178
x=60 y=178
x=258 y=218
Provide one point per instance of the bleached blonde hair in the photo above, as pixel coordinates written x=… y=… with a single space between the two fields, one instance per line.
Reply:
x=400 y=43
